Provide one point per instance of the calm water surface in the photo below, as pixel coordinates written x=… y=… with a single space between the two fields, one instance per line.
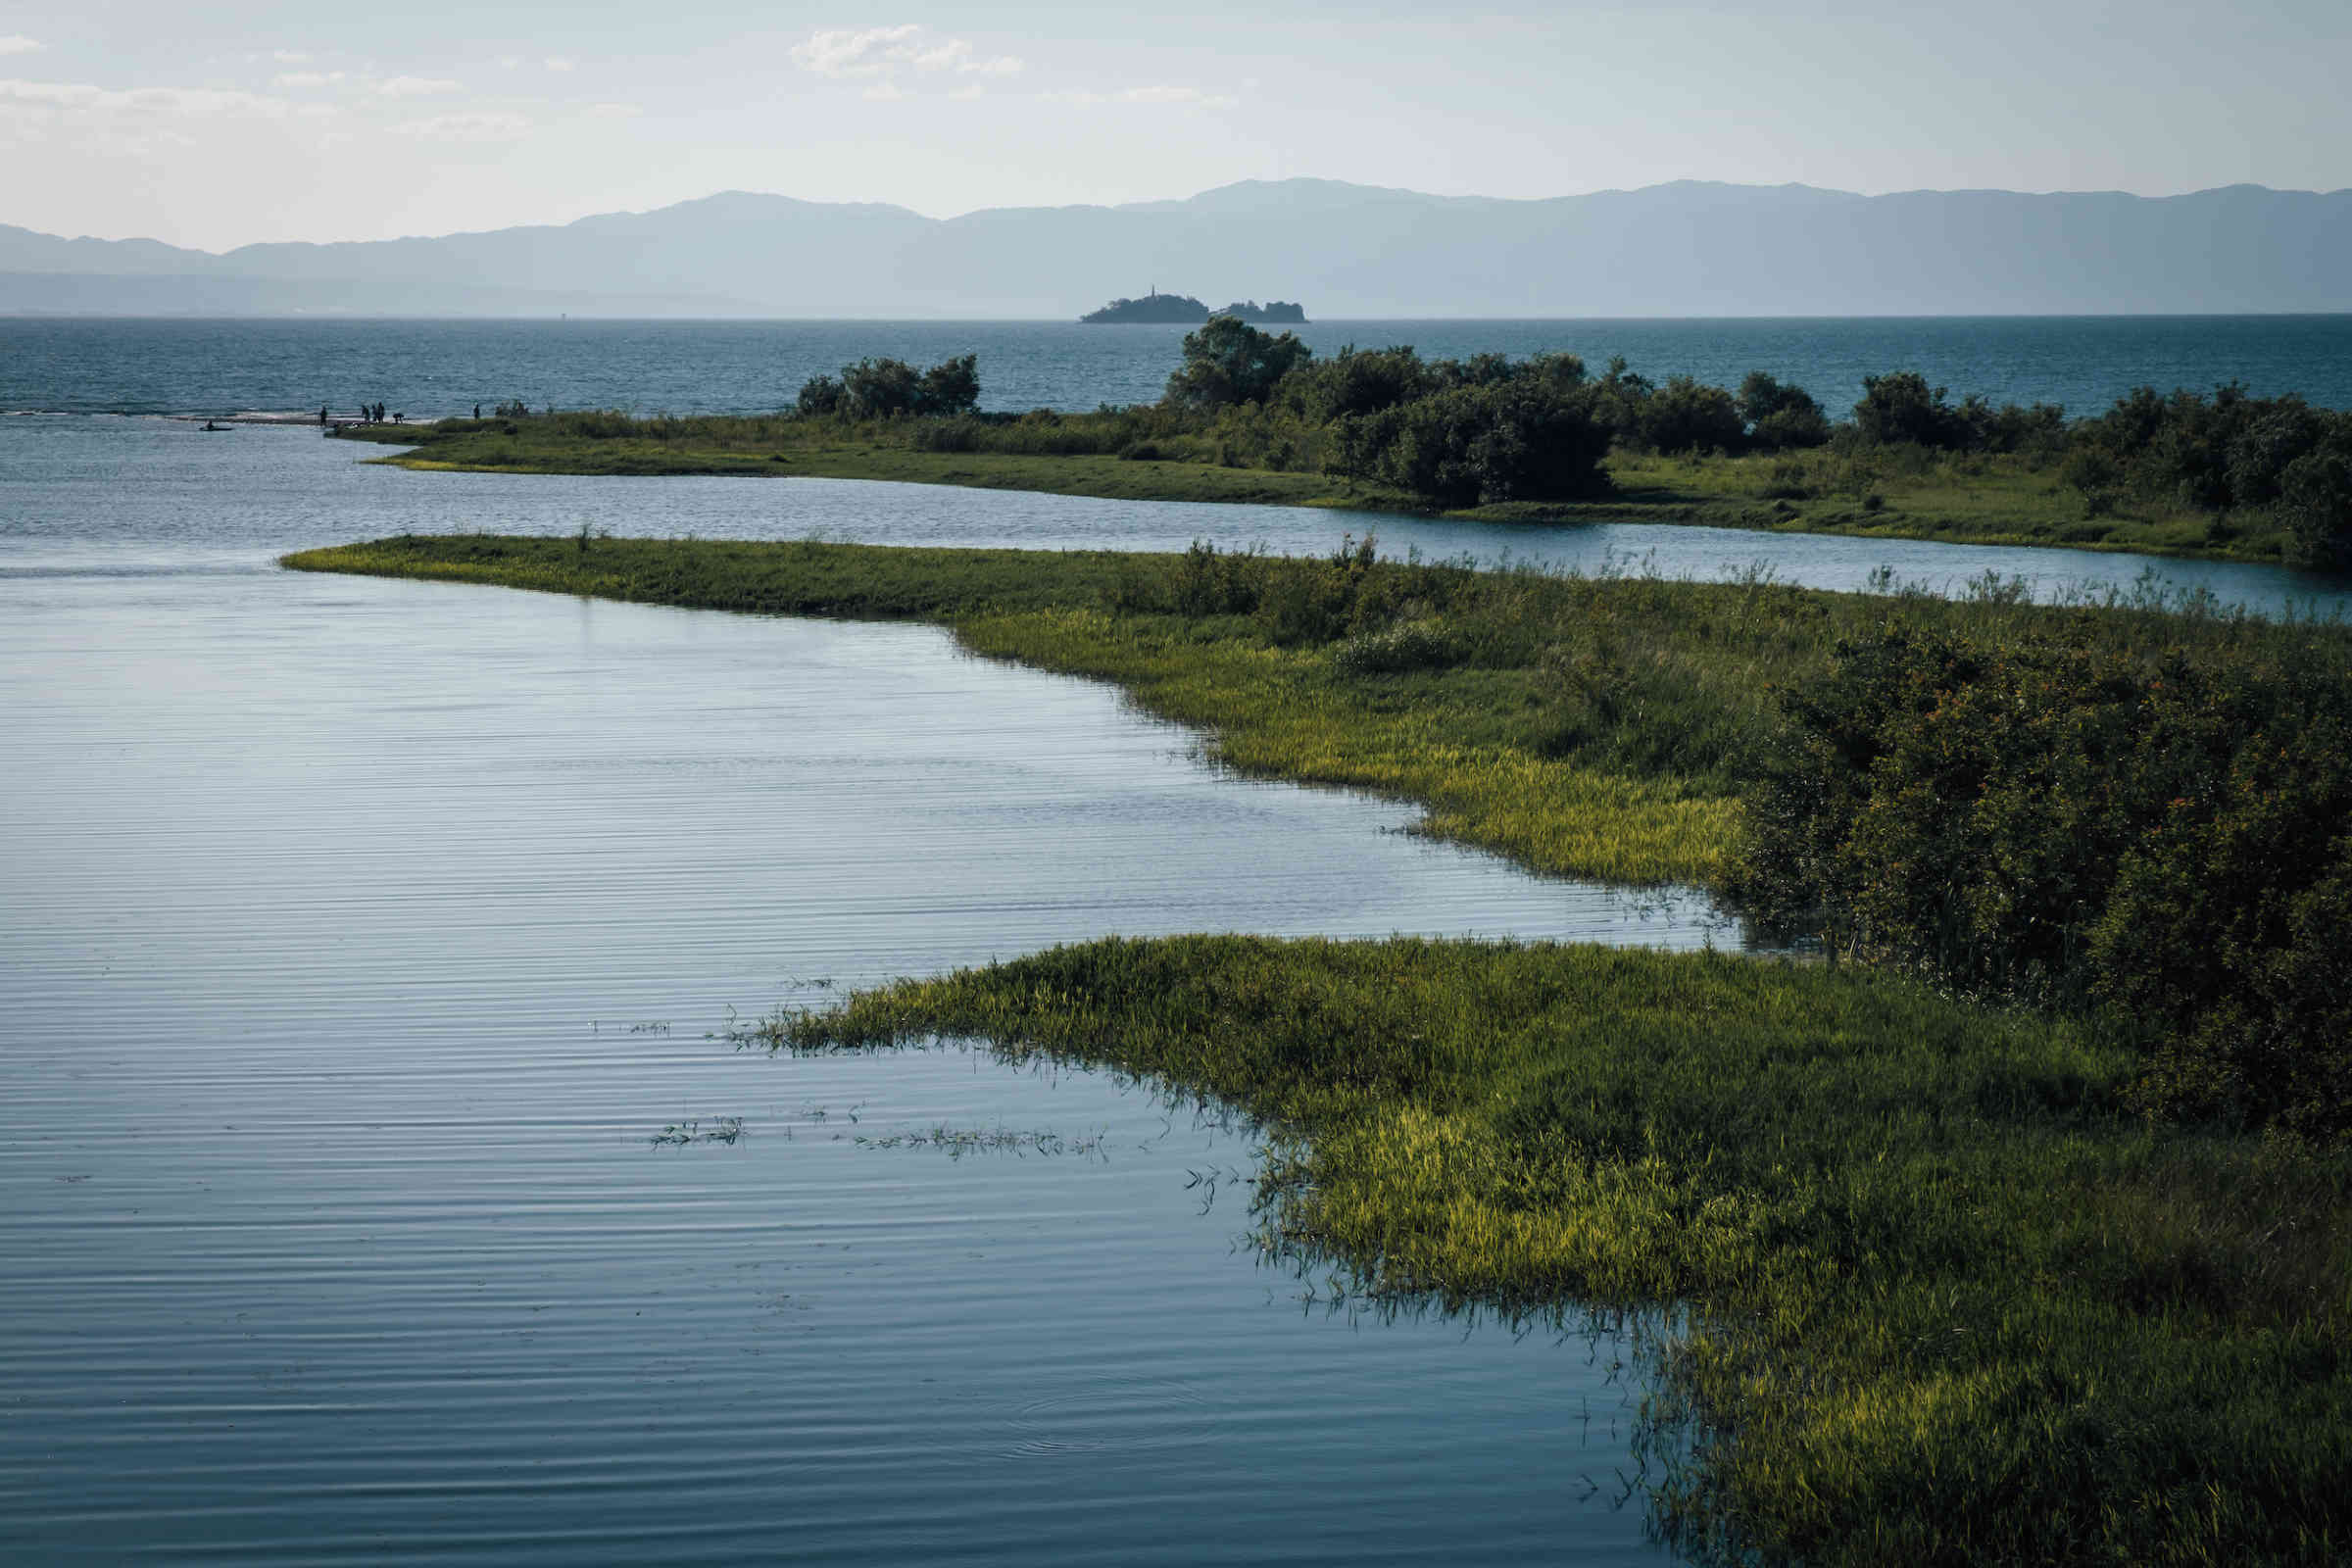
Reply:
x=360 y=939
x=437 y=368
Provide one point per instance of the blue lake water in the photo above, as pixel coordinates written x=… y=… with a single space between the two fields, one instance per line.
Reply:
x=361 y=940
x=430 y=369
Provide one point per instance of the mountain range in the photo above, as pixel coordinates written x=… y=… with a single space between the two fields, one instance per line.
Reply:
x=1691 y=248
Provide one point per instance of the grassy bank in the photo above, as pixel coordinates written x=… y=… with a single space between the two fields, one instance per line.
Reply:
x=1952 y=1305
x=1593 y=727
x=1894 y=493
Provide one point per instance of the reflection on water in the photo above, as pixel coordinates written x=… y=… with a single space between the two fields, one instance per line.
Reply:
x=371 y=1181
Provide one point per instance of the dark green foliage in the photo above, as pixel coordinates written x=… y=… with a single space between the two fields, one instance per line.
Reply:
x=2039 y=431
x=1902 y=408
x=1779 y=416
x=1356 y=381
x=1496 y=433
x=820 y=395
x=2079 y=818
x=2315 y=495
x=1683 y=416
x=891 y=389
x=1228 y=361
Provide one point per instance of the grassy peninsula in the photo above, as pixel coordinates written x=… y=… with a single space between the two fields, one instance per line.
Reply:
x=1992 y=1248
x=1250 y=417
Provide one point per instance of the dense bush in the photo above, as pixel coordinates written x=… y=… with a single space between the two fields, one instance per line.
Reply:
x=1228 y=361
x=1779 y=416
x=1682 y=415
x=2091 y=822
x=1356 y=381
x=890 y=389
x=1900 y=406
x=1506 y=440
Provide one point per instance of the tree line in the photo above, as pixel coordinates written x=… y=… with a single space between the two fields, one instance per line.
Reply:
x=1488 y=429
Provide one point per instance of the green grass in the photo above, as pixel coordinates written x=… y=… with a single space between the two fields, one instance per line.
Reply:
x=824 y=449
x=1948 y=1304
x=1895 y=493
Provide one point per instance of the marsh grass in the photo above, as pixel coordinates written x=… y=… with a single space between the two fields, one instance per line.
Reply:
x=1946 y=1300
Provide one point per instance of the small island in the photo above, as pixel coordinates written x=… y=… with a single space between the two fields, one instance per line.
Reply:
x=1157 y=307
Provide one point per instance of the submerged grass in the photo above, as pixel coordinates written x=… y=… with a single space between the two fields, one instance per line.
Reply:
x=1948 y=1302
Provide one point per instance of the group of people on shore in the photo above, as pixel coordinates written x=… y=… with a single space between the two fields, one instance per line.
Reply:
x=370 y=413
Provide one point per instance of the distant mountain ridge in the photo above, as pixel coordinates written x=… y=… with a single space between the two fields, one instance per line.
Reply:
x=1691 y=248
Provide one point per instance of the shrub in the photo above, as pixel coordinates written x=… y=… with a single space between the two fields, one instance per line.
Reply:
x=1685 y=417
x=1902 y=408
x=1779 y=417
x=1228 y=361
x=2163 y=833
x=1354 y=382
x=1503 y=441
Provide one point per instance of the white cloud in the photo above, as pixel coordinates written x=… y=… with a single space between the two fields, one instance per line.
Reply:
x=416 y=86
x=476 y=126
x=854 y=53
x=561 y=63
x=15 y=44
x=291 y=57
x=305 y=79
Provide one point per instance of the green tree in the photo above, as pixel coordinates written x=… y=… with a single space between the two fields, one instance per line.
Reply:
x=1685 y=417
x=1901 y=407
x=1779 y=417
x=820 y=395
x=1228 y=360
x=949 y=387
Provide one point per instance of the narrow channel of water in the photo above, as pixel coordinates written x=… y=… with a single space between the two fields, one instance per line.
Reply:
x=230 y=499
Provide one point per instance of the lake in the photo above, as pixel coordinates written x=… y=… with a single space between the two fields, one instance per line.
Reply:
x=377 y=1181
x=432 y=368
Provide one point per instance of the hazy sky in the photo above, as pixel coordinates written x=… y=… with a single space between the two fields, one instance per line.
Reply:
x=217 y=124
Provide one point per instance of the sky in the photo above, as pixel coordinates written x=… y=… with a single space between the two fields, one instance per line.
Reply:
x=219 y=125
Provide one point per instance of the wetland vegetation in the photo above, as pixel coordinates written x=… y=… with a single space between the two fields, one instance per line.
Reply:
x=1250 y=415
x=2021 y=1231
